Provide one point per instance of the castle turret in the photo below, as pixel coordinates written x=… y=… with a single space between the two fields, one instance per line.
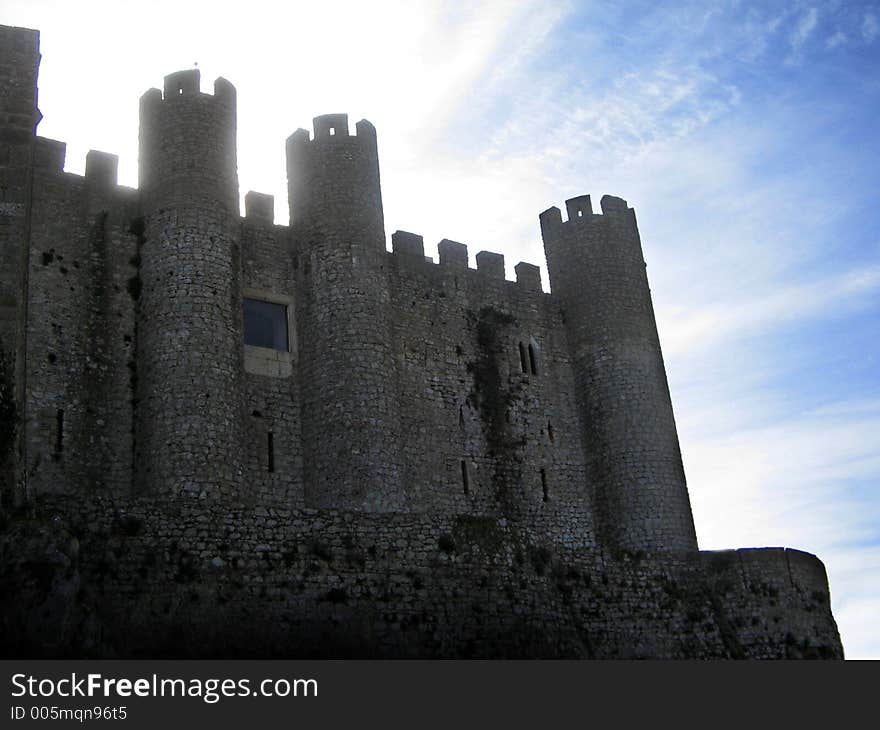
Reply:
x=597 y=270
x=189 y=309
x=348 y=384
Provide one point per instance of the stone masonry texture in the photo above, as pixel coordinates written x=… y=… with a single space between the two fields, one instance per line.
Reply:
x=431 y=461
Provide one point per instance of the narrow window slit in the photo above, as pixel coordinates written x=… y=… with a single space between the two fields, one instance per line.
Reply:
x=270 y=450
x=533 y=360
x=465 y=477
x=522 y=358
x=550 y=432
x=546 y=494
x=59 y=431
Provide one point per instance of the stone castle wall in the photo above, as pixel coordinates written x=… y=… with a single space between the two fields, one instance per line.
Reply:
x=409 y=386
x=80 y=329
x=187 y=579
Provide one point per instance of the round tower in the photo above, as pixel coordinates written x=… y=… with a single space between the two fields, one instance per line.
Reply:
x=597 y=270
x=189 y=337
x=350 y=421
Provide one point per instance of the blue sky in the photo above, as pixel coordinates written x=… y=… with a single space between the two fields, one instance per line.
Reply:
x=743 y=133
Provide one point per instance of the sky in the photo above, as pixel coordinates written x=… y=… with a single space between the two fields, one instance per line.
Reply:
x=743 y=133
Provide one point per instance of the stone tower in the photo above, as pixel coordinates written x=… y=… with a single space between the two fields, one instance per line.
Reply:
x=350 y=421
x=19 y=61
x=189 y=328
x=596 y=268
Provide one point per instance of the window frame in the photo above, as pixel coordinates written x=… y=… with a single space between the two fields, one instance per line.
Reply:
x=267 y=360
x=286 y=316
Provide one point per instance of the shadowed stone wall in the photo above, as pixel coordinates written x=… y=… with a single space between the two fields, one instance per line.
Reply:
x=186 y=579
x=19 y=116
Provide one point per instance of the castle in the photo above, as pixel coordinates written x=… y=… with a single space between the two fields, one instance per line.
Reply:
x=226 y=437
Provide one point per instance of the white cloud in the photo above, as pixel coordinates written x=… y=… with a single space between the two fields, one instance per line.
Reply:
x=687 y=328
x=838 y=39
x=804 y=28
x=854 y=407
x=870 y=27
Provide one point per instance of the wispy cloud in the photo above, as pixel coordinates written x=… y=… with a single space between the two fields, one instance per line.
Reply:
x=854 y=407
x=754 y=313
x=870 y=27
x=804 y=28
x=838 y=39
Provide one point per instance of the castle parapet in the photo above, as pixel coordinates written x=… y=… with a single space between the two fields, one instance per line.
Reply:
x=188 y=83
x=259 y=206
x=490 y=264
x=579 y=207
x=101 y=169
x=528 y=276
x=580 y=211
x=330 y=127
x=408 y=244
x=182 y=82
x=187 y=143
x=49 y=154
x=453 y=253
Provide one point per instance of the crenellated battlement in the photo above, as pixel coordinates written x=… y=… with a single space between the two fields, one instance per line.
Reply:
x=490 y=264
x=453 y=253
x=187 y=143
x=49 y=154
x=102 y=169
x=332 y=127
x=186 y=84
x=183 y=87
x=411 y=247
x=579 y=211
x=259 y=206
x=182 y=82
x=528 y=276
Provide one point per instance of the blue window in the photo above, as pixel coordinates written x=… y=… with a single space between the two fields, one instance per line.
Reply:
x=265 y=324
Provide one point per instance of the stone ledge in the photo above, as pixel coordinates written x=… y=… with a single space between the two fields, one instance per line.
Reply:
x=268 y=362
